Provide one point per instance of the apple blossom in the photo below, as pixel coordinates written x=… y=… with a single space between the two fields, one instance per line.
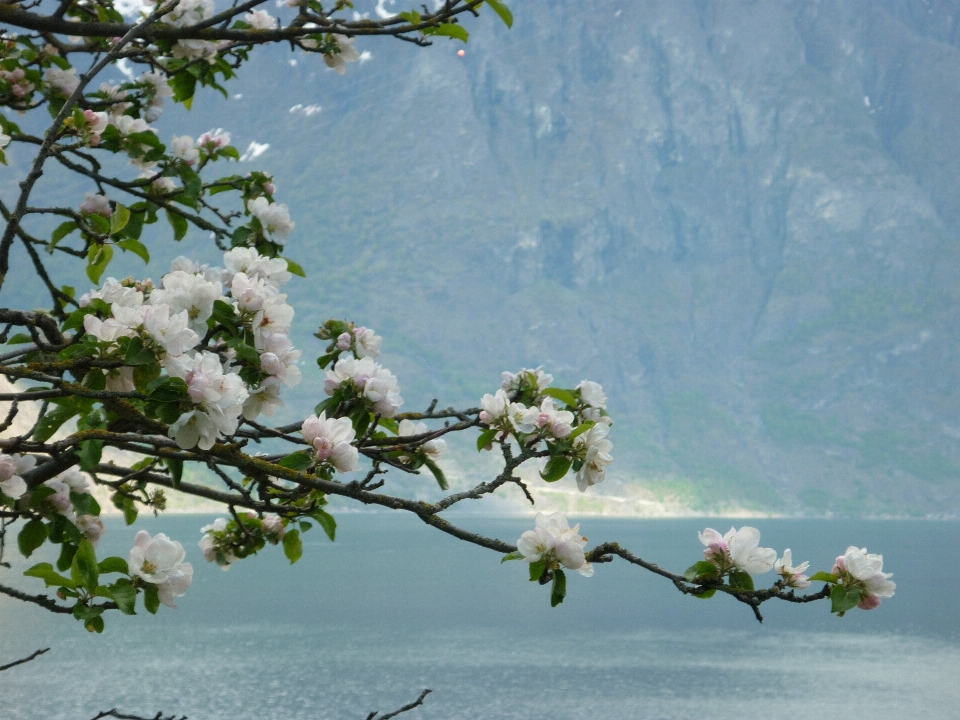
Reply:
x=558 y=423
x=94 y=204
x=345 y=341
x=191 y=292
x=592 y=394
x=260 y=20
x=738 y=549
x=331 y=438
x=434 y=448
x=376 y=383
x=255 y=266
x=169 y=330
x=263 y=400
x=279 y=359
x=159 y=560
x=120 y=379
x=494 y=407
x=338 y=61
x=858 y=570
x=273 y=526
x=63 y=81
x=210 y=547
x=91 y=527
x=213 y=140
x=368 y=343
x=184 y=148
x=274 y=218
x=113 y=292
x=127 y=125
x=522 y=419
x=556 y=543
x=219 y=398
x=12 y=466
x=596 y=456
x=534 y=380
x=793 y=576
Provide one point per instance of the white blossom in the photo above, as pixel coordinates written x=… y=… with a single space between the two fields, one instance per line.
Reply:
x=592 y=394
x=191 y=292
x=91 y=527
x=12 y=466
x=738 y=549
x=263 y=400
x=64 y=81
x=260 y=20
x=273 y=525
x=196 y=50
x=275 y=317
x=273 y=217
x=522 y=419
x=169 y=330
x=219 y=398
x=348 y=53
x=184 y=148
x=434 y=448
x=255 y=266
x=558 y=422
x=208 y=544
x=536 y=379
x=105 y=330
x=213 y=140
x=368 y=343
x=4 y=140
x=113 y=292
x=279 y=358
x=554 y=541
x=858 y=569
x=793 y=576
x=331 y=438
x=376 y=383
x=120 y=379
x=494 y=407
x=596 y=457
x=127 y=125
x=94 y=204
x=159 y=560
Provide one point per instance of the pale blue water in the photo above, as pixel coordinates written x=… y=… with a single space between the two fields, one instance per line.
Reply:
x=394 y=607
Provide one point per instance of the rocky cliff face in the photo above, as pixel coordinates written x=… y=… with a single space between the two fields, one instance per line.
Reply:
x=742 y=218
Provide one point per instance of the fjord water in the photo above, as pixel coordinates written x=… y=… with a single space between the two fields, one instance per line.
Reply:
x=394 y=607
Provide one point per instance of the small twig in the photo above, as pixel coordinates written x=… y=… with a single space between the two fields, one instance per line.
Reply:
x=416 y=703
x=21 y=661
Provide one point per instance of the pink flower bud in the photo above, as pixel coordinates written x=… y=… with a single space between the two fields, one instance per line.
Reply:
x=869 y=602
x=344 y=341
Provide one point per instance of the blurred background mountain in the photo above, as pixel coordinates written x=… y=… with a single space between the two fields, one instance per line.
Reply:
x=742 y=218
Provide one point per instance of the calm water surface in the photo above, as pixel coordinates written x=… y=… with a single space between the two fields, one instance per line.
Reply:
x=394 y=607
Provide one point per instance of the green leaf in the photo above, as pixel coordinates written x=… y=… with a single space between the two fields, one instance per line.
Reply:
x=706 y=594
x=89 y=453
x=51 y=577
x=179 y=225
x=31 y=536
x=65 y=561
x=502 y=10
x=125 y=596
x=100 y=224
x=451 y=30
x=94 y=624
x=295 y=268
x=113 y=565
x=97 y=260
x=136 y=247
x=515 y=555
x=559 y=590
x=52 y=421
x=184 y=85
x=824 y=577
x=537 y=569
x=84 y=568
x=437 y=473
x=137 y=354
x=557 y=466
x=327 y=522
x=564 y=396
x=143 y=375
x=702 y=569
x=741 y=580
x=298 y=461
x=175 y=466
x=19 y=339
x=581 y=429
x=130 y=511
x=486 y=437
x=151 y=598
x=292 y=547
x=119 y=220
x=842 y=600
x=60 y=233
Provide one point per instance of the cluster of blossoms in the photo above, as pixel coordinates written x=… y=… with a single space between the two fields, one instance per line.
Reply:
x=190 y=12
x=159 y=561
x=225 y=541
x=556 y=544
x=170 y=320
x=862 y=574
x=62 y=494
x=526 y=407
x=330 y=439
x=857 y=577
x=366 y=379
